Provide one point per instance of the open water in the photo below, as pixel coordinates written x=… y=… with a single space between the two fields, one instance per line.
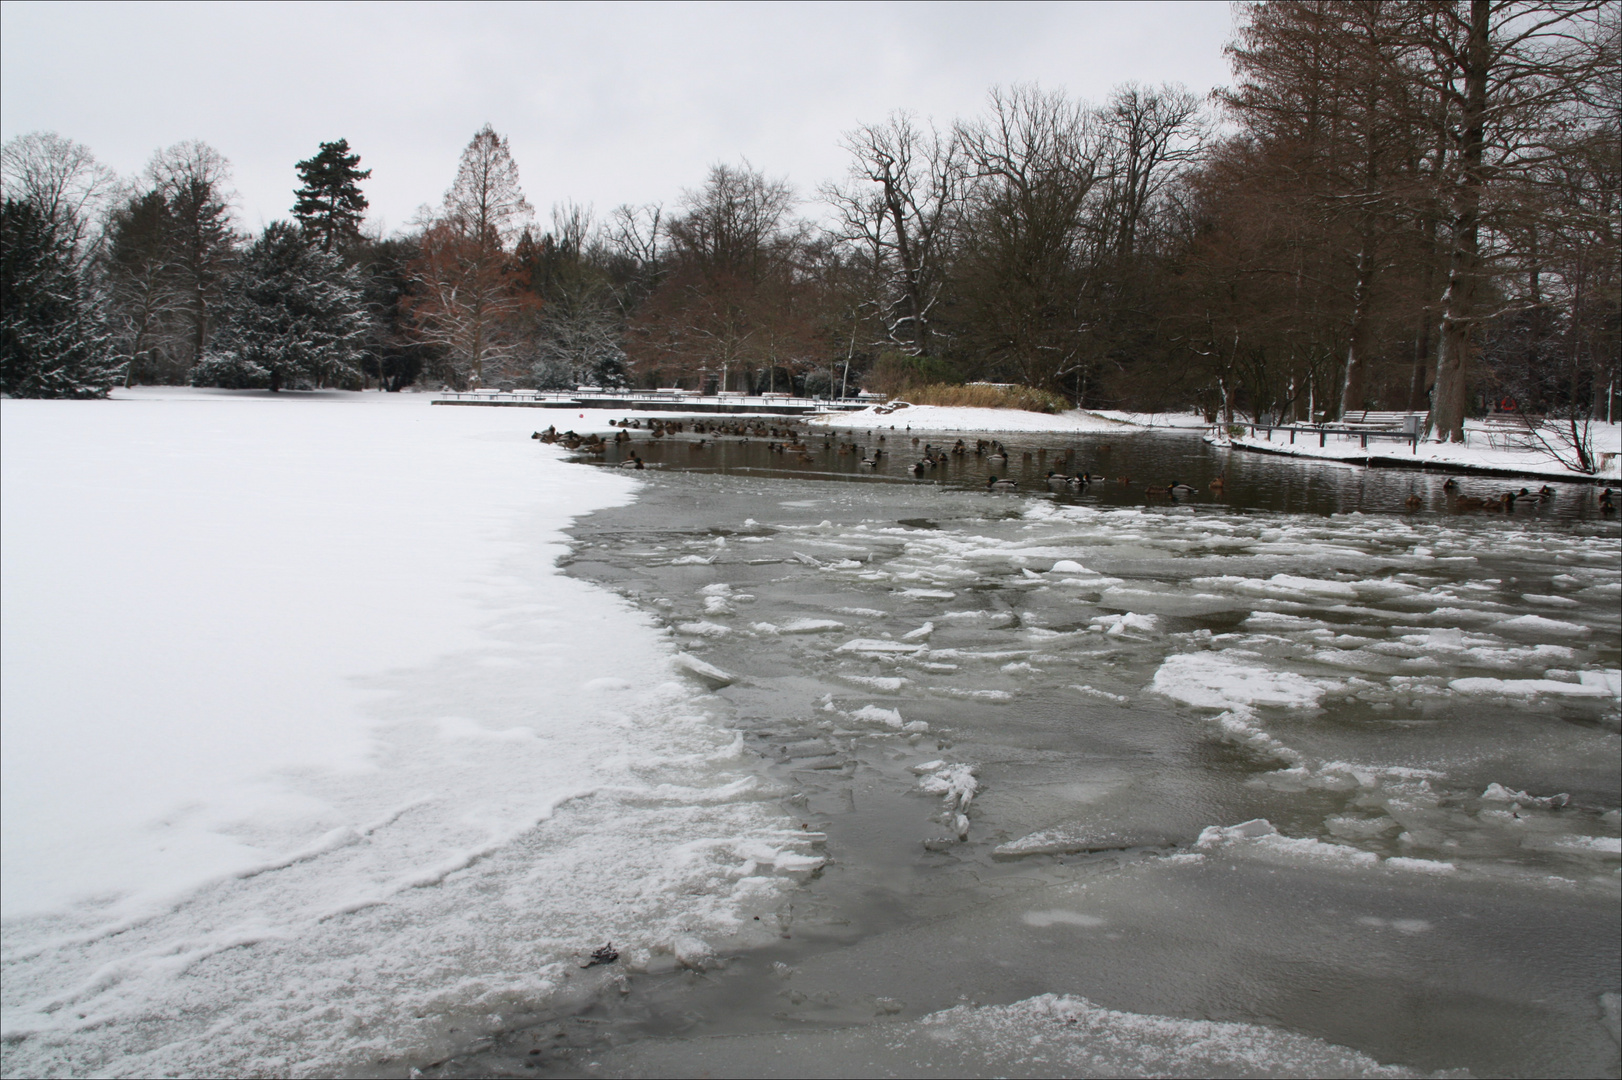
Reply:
x=1284 y=754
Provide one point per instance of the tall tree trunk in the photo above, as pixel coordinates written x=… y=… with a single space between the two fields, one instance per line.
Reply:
x=1352 y=392
x=1464 y=257
x=1418 y=384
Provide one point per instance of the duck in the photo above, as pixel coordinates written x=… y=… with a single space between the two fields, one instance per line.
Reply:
x=1605 y=503
x=633 y=462
x=998 y=456
x=871 y=462
x=1153 y=489
x=1220 y=483
x=1413 y=502
x=1545 y=492
x=993 y=484
x=1180 y=488
x=916 y=468
x=1470 y=502
x=1450 y=484
x=1081 y=480
x=1057 y=478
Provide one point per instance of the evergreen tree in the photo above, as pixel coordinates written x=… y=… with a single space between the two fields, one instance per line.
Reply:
x=51 y=345
x=292 y=314
x=329 y=203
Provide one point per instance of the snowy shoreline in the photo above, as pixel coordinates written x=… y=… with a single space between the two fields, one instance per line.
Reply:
x=309 y=737
x=1471 y=458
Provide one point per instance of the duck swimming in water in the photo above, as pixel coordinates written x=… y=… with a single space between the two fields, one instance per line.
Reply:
x=993 y=484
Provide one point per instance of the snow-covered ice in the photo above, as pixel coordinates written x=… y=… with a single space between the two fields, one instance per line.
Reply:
x=308 y=739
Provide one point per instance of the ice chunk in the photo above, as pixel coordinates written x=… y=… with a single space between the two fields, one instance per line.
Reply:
x=1068 y=566
x=889 y=683
x=1537 y=624
x=956 y=784
x=928 y=594
x=1130 y=624
x=1598 y=845
x=1217 y=835
x=1075 y=840
x=693 y=952
x=874 y=714
x=1099 y=693
x=1213 y=681
x=922 y=632
x=810 y=626
x=878 y=645
x=1528 y=687
x=704 y=672
x=703 y=628
x=1500 y=793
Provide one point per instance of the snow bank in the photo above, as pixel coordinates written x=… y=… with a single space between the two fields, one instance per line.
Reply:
x=959 y=418
x=307 y=739
x=1483 y=449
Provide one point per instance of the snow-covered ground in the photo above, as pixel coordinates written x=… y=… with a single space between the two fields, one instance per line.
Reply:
x=954 y=418
x=309 y=740
x=1485 y=448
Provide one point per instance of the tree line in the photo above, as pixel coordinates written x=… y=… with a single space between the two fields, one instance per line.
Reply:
x=1397 y=204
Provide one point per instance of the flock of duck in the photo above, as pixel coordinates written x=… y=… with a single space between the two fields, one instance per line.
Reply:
x=785 y=438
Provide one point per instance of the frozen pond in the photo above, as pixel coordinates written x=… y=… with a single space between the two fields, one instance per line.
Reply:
x=1287 y=757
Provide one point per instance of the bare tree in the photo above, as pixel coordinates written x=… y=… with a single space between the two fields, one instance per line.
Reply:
x=64 y=183
x=1512 y=74
x=466 y=280
x=1031 y=164
x=903 y=220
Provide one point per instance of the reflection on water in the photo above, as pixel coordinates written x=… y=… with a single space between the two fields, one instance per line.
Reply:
x=1127 y=465
x=1260 y=756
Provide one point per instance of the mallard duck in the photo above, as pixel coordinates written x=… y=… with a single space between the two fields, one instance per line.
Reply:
x=1180 y=488
x=870 y=463
x=1545 y=492
x=997 y=457
x=1081 y=480
x=1413 y=502
x=993 y=484
x=1153 y=489
x=916 y=468
x=1450 y=484
x=1220 y=483
x=633 y=462
x=1605 y=503
x=1470 y=502
x=1058 y=479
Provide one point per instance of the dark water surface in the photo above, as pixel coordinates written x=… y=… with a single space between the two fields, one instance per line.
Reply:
x=1120 y=674
x=1129 y=463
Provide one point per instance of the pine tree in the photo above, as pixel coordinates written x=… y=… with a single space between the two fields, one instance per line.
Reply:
x=51 y=344
x=329 y=203
x=292 y=314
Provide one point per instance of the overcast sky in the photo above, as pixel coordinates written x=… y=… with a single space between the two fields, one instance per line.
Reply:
x=603 y=103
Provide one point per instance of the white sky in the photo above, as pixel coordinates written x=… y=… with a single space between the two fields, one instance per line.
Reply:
x=603 y=103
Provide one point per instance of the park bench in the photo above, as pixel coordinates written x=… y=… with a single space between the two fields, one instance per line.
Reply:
x=1403 y=421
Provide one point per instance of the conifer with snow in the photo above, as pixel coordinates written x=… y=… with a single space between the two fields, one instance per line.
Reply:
x=52 y=345
x=292 y=315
